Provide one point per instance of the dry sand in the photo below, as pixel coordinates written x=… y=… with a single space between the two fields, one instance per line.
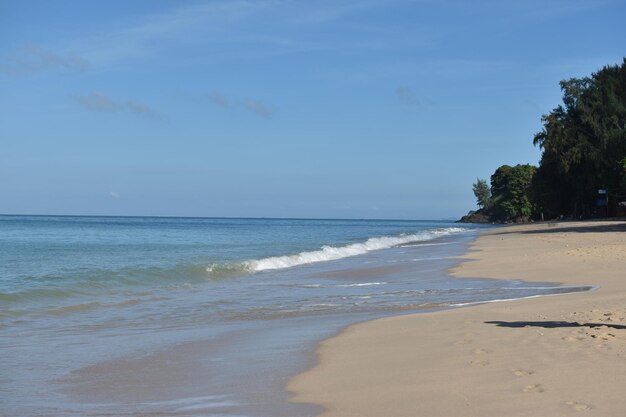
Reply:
x=550 y=356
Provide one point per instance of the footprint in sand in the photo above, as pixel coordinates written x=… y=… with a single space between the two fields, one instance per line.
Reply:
x=463 y=342
x=533 y=388
x=572 y=338
x=579 y=406
x=479 y=362
x=482 y=351
x=522 y=372
x=467 y=339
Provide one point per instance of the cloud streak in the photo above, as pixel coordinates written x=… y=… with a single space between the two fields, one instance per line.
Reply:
x=405 y=94
x=257 y=107
x=219 y=99
x=141 y=109
x=254 y=106
x=222 y=24
x=189 y=24
x=99 y=102
x=31 y=58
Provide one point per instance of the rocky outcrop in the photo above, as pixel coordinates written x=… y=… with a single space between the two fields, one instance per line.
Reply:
x=478 y=216
x=483 y=216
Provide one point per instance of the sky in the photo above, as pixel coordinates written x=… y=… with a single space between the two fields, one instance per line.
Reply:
x=281 y=108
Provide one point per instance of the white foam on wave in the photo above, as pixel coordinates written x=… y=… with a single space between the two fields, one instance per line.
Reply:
x=331 y=253
x=361 y=284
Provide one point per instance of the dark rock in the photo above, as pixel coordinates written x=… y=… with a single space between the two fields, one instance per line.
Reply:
x=484 y=217
x=478 y=216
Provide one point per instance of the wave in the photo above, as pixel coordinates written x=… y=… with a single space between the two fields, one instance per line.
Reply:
x=362 y=284
x=132 y=281
x=331 y=253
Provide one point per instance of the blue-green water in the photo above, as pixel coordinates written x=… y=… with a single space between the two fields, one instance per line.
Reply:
x=72 y=254
x=203 y=316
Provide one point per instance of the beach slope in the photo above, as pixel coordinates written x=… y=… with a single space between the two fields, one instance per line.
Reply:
x=549 y=356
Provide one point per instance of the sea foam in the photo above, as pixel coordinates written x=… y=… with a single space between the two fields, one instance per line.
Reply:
x=331 y=253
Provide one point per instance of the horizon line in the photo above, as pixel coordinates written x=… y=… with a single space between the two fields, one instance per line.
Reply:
x=223 y=217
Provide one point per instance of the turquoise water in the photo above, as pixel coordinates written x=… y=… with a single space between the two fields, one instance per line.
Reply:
x=66 y=254
x=54 y=263
x=101 y=315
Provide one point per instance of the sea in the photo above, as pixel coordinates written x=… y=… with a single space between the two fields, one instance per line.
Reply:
x=157 y=316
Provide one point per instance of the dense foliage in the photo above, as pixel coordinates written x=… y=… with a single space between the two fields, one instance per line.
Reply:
x=584 y=150
x=510 y=192
x=584 y=145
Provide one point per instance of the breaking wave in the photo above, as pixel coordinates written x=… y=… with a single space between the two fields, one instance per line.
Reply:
x=331 y=253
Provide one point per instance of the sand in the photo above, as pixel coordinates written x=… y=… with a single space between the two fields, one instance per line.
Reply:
x=547 y=356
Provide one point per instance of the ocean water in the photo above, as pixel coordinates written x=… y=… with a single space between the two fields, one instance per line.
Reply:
x=205 y=316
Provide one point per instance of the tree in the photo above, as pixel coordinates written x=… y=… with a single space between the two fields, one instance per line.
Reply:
x=482 y=193
x=510 y=192
x=583 y=141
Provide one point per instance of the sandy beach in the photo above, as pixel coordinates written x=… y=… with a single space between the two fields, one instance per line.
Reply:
x=548 y=356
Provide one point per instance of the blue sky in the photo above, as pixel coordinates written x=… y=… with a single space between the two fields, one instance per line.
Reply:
x=277 y=108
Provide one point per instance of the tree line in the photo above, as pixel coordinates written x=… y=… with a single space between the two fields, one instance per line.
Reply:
x=583 y=143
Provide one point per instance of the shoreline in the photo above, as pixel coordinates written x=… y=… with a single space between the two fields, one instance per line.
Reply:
x=533 y=356
x=206 y=367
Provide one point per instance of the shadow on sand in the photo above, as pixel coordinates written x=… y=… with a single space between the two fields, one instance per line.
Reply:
x=563 y=227
x=553 y=324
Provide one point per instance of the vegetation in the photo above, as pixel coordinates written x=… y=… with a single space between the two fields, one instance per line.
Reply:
x=482 y=193
x=510 y=190
x=583 y=143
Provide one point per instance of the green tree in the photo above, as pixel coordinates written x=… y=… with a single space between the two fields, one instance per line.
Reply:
x=482 y=193
x=510 y=192
x=583 y=141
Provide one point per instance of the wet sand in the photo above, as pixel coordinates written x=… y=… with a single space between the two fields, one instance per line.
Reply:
x=549 y=356
x=238 y=366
